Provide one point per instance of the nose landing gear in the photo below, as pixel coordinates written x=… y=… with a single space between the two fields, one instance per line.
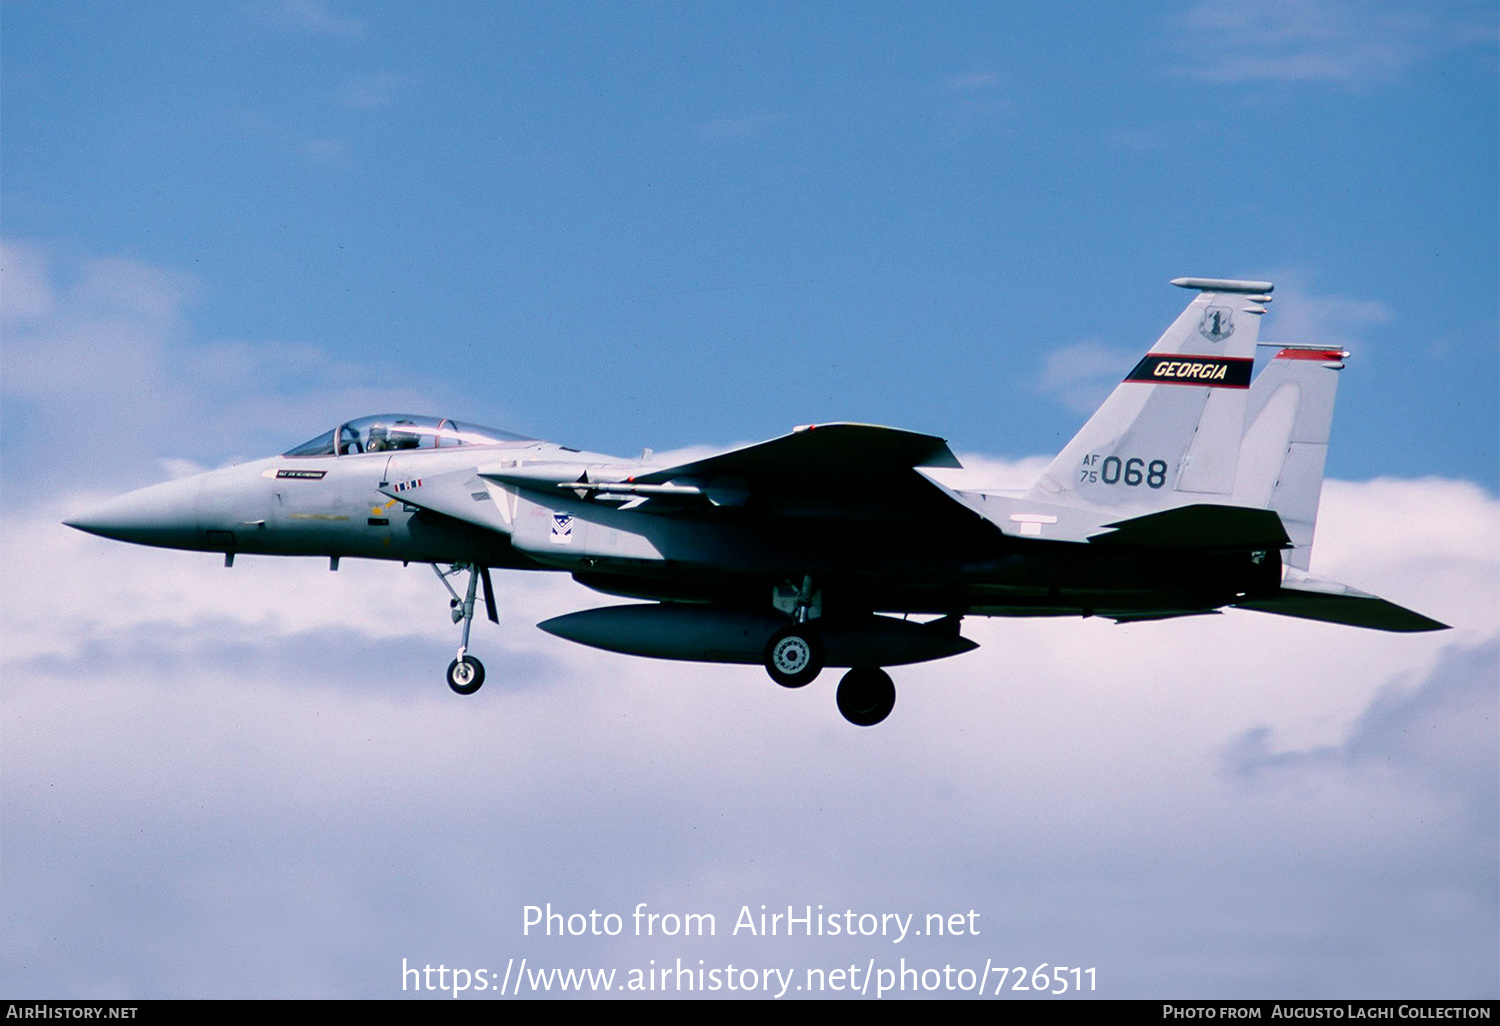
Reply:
x=466 y=673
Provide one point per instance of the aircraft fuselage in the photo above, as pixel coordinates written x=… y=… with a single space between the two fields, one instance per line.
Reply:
x=1194 y=487
x=341 y=506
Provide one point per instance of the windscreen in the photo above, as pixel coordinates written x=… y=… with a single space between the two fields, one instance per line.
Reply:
x=396 y=432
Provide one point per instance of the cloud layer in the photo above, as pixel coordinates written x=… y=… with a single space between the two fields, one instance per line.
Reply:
x=258 y=776
x=1348 y=44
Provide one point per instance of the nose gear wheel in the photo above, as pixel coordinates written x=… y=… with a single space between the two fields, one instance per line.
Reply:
x=466 y=673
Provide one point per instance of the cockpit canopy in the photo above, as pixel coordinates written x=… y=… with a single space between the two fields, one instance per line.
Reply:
x=391 y=432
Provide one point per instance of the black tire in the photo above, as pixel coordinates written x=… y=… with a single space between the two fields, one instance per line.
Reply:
x=467 y=676
x=794 y=656
x=866 y=696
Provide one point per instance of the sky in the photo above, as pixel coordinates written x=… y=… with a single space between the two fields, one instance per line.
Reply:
x=226 y=228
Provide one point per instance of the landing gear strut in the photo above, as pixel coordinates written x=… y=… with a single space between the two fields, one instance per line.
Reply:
x=794 y=655
x=466 y=673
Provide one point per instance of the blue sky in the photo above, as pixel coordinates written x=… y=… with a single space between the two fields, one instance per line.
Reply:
x=228 y=227
x=661 y=226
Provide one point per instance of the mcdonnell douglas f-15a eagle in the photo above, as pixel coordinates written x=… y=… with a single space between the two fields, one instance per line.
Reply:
x=1193 y=488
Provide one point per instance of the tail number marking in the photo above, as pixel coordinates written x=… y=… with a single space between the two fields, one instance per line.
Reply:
x=1133 y=472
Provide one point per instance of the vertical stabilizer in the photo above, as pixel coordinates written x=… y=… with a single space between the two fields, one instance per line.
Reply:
x=1170 y=433
x=1287 y=424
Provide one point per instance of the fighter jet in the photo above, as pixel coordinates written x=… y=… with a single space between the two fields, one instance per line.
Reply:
x=1192 y=489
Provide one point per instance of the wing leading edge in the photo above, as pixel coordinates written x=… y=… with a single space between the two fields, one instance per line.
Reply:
x=819 y=452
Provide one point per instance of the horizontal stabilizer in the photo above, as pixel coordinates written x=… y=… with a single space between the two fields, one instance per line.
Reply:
x=1200 y=526
x=1351 y=610
x=1309 y=598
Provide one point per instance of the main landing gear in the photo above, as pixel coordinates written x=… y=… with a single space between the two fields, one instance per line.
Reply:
x=866 y=696
x=794 y=658
x=466 y=673
x=794 y=655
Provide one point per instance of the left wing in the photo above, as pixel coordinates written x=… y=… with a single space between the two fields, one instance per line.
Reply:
x=761 y=500
x=819 y=452
x=853 y=470
x=861 y=471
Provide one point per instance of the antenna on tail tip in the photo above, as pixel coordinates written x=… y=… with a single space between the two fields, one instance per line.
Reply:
x=1222 y=285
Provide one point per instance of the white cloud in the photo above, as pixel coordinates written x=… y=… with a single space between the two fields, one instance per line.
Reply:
x=1435 y=731
x=972 y=101
x=25 y=286
x=310 y=16
x=1300 y=315
x=270 y=754
x=99 y=355
x=326 y=149
x=91 y=329
x=261 y=766
x=184 y=597
x=1081 y=375
x=972 y=81
x=1340 y=41
x=366 y=92
x=757 y=124
x=1139 y=140
x=988 y=472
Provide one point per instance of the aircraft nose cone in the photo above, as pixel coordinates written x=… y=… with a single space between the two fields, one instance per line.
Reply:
x=163 y=514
